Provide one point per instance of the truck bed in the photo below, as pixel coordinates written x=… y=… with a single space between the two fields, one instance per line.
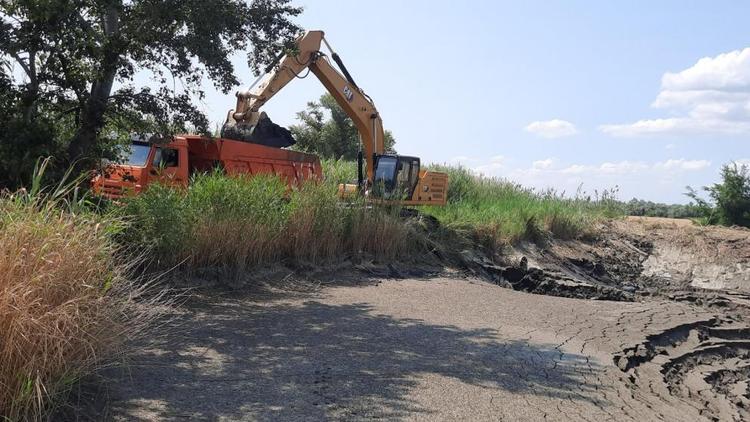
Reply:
x=237 y=157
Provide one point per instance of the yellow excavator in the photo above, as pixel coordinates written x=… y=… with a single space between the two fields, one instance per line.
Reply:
x=381 y=177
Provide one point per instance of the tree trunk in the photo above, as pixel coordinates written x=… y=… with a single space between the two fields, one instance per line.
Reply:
x=31 y=95
x=83 y=147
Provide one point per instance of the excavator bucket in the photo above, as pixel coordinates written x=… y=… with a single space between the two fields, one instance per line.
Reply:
x=265 y=132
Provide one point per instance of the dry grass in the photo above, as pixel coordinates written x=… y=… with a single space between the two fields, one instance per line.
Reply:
x=66 y=308
x=230 y=245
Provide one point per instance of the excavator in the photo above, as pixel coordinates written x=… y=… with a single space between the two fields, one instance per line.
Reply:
x=381 y=177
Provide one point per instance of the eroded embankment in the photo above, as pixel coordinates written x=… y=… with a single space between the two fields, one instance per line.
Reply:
x=628 y=260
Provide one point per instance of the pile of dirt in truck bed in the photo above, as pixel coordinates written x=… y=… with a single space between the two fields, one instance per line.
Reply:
x=265 y=132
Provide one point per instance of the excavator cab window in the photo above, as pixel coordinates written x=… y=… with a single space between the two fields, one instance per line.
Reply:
x=395 y=177
x=385 y=176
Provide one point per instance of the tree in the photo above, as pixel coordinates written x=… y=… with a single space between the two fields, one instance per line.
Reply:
x=639 y=207
x=335 y=137
x=731 y=197
x=69 y=67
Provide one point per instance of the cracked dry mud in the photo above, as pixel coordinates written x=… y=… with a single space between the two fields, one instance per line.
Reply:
x=456 y=347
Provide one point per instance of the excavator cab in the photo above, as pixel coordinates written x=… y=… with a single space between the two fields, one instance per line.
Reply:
x=396 y=177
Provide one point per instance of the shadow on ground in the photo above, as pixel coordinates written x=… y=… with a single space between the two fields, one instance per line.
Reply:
x=235 y=359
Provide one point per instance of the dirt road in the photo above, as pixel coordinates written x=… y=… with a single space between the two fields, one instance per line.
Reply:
x=462 y=348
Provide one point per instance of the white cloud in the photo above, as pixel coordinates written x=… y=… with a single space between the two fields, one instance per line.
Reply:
x=710 y=97
x=576 y=169
x=728 y=71
x=676 y=126
x=554 y=128
x=543 y=164
x=683 y=164
x=606 y=168
x=492 y=168
x=670 y=147
x=613 y=169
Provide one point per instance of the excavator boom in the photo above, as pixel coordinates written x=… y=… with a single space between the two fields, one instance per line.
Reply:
x=390 y=178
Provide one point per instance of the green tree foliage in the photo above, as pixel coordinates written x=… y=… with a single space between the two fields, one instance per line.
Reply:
x=330 y=137
x=729 y=202
x=639 y=207
x=68 y=67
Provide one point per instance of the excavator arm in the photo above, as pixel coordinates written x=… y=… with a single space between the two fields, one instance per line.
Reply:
x=357 y=105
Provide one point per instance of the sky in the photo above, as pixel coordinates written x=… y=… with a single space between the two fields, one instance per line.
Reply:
x=642 y=97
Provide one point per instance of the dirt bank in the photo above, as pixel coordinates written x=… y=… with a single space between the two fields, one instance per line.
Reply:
x=629 y=259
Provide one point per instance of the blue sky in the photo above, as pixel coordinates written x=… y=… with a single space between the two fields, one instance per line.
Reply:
x=648 y=96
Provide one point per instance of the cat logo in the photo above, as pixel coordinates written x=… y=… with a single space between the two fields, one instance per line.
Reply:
x=348 y=93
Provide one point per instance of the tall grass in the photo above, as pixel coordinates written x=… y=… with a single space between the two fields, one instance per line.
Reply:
x=235 y=224
x=66 y=307
x=507 y=212
x=238 y=223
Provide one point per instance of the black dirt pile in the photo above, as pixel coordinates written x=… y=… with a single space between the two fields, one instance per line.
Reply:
x=265 y=132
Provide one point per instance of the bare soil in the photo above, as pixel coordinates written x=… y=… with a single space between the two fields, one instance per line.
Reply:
x=649 y=320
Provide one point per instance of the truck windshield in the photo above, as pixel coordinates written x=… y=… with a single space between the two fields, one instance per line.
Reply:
x=135 y=154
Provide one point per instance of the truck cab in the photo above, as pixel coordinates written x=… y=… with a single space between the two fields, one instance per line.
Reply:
x=141 y=164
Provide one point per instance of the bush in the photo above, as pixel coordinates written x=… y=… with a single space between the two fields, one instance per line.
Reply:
x=236 y=223
x=339 y=171
x=730 y=198
x=66 y=306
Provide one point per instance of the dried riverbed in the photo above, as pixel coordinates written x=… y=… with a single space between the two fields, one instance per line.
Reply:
x=461 y=345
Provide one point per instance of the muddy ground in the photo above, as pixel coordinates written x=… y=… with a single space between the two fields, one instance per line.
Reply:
x=646 y=321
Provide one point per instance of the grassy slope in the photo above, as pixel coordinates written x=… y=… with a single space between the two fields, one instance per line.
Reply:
x=509 y=212
x=502 y=210
x=237 y=223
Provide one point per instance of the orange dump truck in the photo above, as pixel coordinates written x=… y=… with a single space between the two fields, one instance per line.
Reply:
x=173 y=163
